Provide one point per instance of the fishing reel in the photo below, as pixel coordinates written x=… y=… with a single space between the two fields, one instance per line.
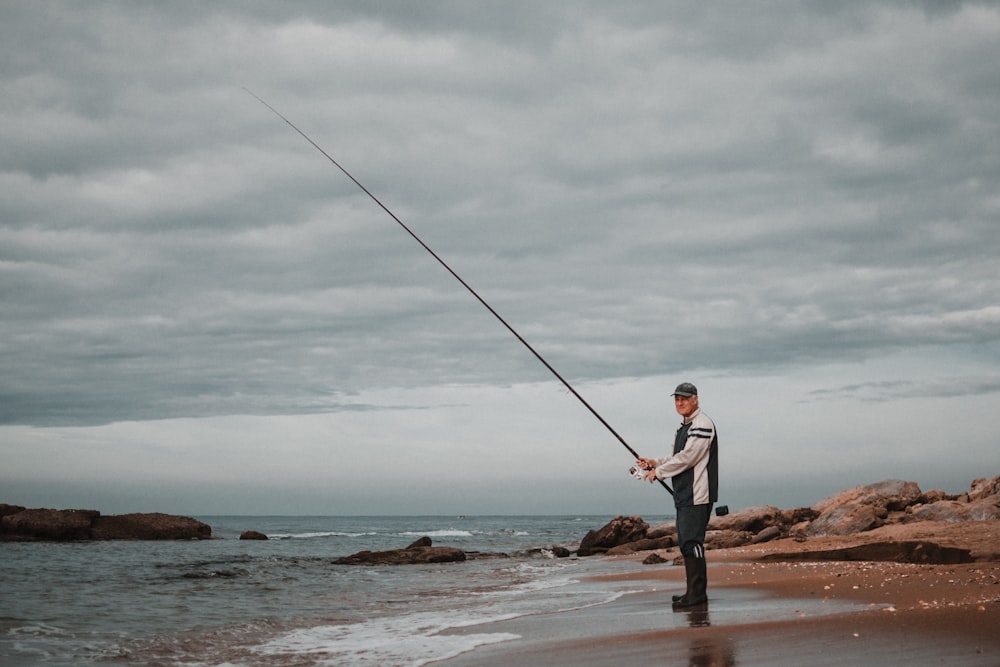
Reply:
x=637 y=472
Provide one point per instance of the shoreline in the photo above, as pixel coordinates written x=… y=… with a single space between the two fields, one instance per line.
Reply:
x=779 y=612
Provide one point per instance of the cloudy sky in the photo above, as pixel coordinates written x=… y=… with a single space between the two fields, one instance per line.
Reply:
x=792 y=205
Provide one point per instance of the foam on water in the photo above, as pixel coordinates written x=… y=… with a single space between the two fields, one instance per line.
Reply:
x=412 y=640
x=421 y=637
x=438 y=533
x=306 y=536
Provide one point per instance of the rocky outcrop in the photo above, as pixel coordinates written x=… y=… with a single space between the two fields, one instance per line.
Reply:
x=75 y=525
x=850 y=512
x=420 y=552
x=863 y=507
x=48 y=524
x=620 y=530
x=153 y=526
x=6 y=509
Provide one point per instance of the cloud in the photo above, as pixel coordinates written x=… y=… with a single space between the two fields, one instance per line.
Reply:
x=889 y=390
x=643 y=191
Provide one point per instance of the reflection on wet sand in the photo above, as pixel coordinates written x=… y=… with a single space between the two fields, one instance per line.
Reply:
x=707 y=650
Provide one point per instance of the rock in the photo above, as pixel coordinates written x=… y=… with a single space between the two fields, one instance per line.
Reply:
x=654 y=559
x=844 y=520
x=414 y=556
x=619 y=530
x=797 y=515
x=890 y=495
x=6 y=509
x=252 y=535
x=490 y=555
x=72 y=525
x=750 y=519
x=800 y=530
x=863 y=507
x=152 y=526
x=422 y=542
x=985 y=509
x=943 y=510
x=662 y=530
x=643 y=545
x=984 y=488
x=766 y=535
x=49 y=524
x=726 y=539
x=936 y=496
x=555 y=551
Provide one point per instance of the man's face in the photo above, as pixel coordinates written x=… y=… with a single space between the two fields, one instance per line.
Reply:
x=686 y=405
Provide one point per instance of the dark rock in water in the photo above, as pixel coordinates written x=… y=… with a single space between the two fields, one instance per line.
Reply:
x=252 y=535
x=410 y=556
x=154 y=526
x=897 y=552
x=485 y=555
x=620 y=530
x=654 y=559
x=48 y=524
x=6 y=509
x=422 y=542
x=73 y=525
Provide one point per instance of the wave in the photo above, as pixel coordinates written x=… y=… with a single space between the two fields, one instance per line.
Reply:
x=422 y=637
x=438 y=533
x=313 y=535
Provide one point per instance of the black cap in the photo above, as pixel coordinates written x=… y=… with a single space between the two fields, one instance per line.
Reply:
x=686 y=389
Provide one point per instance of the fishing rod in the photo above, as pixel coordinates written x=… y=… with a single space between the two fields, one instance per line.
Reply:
x=459 y=279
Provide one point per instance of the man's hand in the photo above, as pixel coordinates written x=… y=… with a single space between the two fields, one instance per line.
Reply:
x=645 y=464
x=649 y=465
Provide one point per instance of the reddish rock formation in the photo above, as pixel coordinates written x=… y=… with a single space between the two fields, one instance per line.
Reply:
x=853 y=511
x=750 y=519
x=618 y=531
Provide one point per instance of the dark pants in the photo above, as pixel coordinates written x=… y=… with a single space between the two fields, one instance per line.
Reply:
x=691 y=525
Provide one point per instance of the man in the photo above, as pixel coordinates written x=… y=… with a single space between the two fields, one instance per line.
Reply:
x=694 y=469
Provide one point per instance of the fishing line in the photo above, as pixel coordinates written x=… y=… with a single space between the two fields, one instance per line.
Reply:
x=459 y=279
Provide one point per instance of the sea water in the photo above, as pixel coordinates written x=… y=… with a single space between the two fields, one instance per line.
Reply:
x=283 y=601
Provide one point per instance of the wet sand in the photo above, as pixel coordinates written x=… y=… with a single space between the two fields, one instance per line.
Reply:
x=777 y=613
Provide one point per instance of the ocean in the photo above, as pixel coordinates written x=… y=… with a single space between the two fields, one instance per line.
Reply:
x=227 y=602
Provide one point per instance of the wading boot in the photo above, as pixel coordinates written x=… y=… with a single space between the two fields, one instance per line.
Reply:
x=697 y=582
x=679 y=596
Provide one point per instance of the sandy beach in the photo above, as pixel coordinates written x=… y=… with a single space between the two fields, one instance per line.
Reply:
x=770 y=605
